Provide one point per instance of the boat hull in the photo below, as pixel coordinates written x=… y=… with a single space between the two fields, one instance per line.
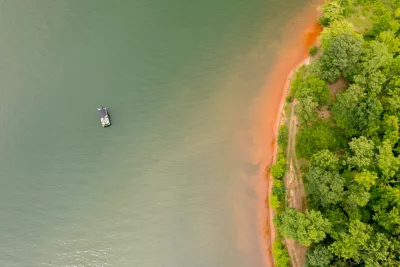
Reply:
x=104 y=117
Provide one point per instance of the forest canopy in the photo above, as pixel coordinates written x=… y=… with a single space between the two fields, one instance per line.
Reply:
x=350 y=159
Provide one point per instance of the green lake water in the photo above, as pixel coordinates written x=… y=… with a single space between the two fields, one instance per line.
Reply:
x=166 y=184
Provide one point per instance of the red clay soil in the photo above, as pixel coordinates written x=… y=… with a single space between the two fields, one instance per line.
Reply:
x=270 y=102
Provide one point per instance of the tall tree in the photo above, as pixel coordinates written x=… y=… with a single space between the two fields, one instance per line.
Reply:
x=306 y=228
x=357 y=195
x=341 y=56
x=377 y=250
x=368 y=116
x=362 y=153
x=384 y=23
x=344 y=109
x=319 y=256
x=318 y=136
x=305 y=110
x=389 y=38
x=389 y=218
x=336 y=28
x=374 y=57
x=314 y=87
x=352 y=243
x=325 y=187
x=391 y=129
x=387 y=162
x=331 y=11
x=325 y=160
x=366 y=179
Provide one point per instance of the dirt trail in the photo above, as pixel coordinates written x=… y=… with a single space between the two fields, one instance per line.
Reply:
x=293 y=182
x=295 y=190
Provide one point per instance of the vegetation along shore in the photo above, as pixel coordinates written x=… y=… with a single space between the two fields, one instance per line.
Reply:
x=299 y=34
x=336 y=191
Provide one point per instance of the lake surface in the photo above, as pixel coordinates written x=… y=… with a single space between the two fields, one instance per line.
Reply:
x=170 y=184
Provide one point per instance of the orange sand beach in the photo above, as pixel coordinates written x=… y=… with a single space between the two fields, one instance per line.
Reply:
x=293 y=53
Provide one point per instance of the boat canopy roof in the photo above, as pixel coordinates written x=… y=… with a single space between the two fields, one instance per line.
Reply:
x=103 y=112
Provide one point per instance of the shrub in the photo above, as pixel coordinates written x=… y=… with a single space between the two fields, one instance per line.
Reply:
x=283 y=137
x=275 y=203
x=314 y=87
x=280 y=254
x=313 y=50
x=278 y=170
x=289 y=98
x=397 y=13
x=278 y=190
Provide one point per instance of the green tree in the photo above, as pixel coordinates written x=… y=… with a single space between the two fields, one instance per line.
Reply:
x=357 y=195
x=297 y=82
x=283 y=137
x=325 y=187
x=280 y=254
x=278 y=170
x=373 y=67
x=306 y=228
x=350 y=244
x=305 y=110
x=336 y=28
x=377 y=250
x=362 y=153
x=389 y=219
x=341 y=57
x=314 y=87
x=366 y=179
x=385 y=196
x=384 y=23
x=275 y=203
x=395 y=66
x=278 y=190
x=355 y=188
x=319 y=256
x=397 y=11
x=344 y=110
x=368 y=116
x=319 y=136
x=325 y=160
x=331 y=11
x=337 y=216
x=391 y=99
x=391 y=129
x=389 y=38
x=387 y=162
x=313 y=50
x=372 y=80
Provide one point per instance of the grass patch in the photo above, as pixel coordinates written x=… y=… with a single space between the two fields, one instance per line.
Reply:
x=362 y=19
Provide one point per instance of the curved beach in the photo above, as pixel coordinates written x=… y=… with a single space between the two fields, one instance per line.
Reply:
x=269 y=107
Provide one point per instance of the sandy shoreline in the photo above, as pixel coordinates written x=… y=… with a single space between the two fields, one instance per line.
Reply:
x=292 y=55
x=270 y=224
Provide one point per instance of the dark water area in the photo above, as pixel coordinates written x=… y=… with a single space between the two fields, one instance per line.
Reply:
x=170 y=183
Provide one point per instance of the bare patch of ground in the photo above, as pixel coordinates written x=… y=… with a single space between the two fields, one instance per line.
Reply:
x=361 y=19
x=337 y=86
x=296 y=252
x=324 y=112
x=293 y=182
